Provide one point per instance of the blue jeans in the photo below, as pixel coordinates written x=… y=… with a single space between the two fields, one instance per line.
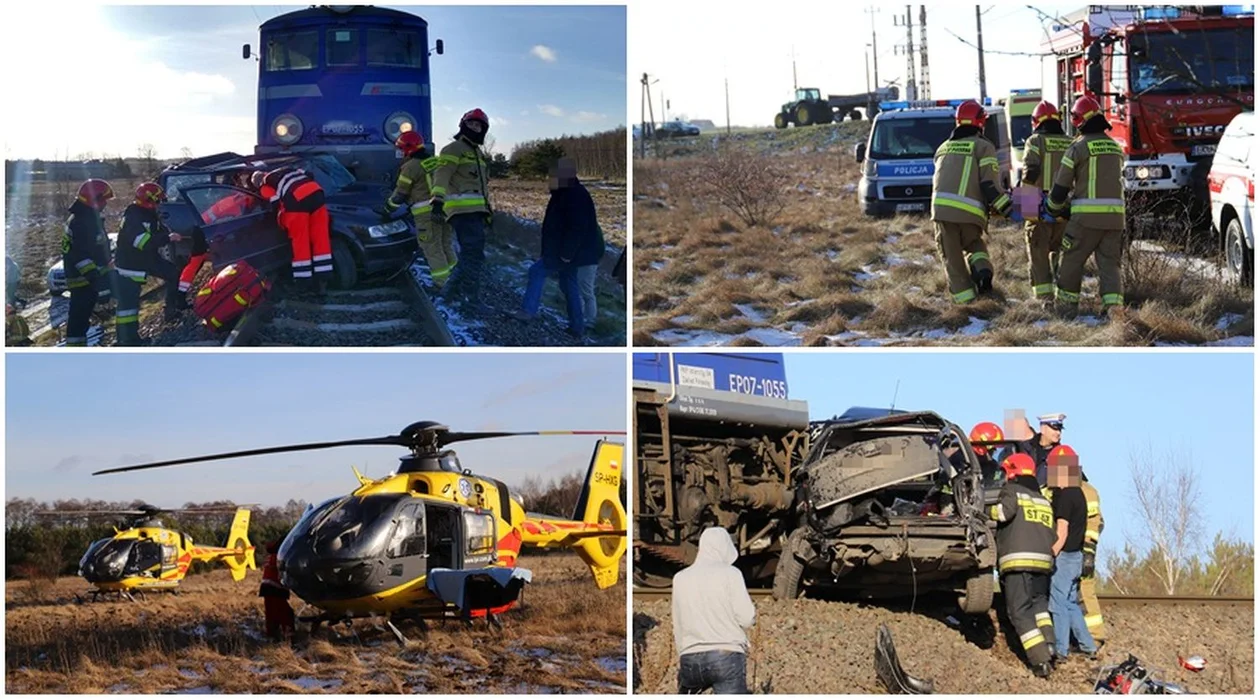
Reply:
x=567 y=275
x=723 y=671
x=1065 y=610
x=470 y=229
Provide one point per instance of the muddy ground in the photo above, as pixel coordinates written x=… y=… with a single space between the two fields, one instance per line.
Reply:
x=813 y=646
x=569 y=637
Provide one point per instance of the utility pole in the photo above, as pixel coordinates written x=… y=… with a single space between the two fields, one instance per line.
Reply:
x=925 y=82
x=646 y=97
x=726 y=84
x=908 y=50
x=980 y=52
x=874 y=47
x=795 y=87
x=868 y=70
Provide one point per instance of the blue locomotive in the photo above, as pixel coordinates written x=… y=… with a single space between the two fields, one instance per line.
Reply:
x=344 y=80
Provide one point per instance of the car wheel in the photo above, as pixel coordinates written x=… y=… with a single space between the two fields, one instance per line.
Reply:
x=345 y=269
x=791 y=570
x=977 y=598
x=1239 y=261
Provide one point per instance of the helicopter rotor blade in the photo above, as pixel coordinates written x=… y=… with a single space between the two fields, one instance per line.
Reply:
x=93 y=512
x=395 y=440
x=450 y=437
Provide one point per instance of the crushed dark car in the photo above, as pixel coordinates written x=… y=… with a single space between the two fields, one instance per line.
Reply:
x=362 y=243
x=890 y=504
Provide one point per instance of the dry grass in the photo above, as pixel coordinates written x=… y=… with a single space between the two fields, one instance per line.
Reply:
x=821 y=273
x=568 y=637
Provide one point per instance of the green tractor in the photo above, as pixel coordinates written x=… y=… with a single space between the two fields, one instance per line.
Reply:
x=809 y=107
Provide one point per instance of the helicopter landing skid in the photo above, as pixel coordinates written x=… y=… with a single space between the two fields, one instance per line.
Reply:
x=95 y=596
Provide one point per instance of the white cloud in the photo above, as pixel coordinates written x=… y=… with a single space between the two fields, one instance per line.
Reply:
x=589 y=117
x=499 y=122
x=544 y=53
x=551 y=110
x=524 y=112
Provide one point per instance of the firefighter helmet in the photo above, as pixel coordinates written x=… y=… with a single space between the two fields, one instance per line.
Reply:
x=409 y=142
x=1063 y=454
x=1019 y=464
x=149 y=194
x=475 y=115
x=1084 y=109
x=1044 y=111
x=984 y=432
x=95 y=193
x=970 y=113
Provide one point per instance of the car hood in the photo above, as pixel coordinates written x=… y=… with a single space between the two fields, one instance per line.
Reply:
x=870 y=465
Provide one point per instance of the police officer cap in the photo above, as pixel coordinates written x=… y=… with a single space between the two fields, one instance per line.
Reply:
x=1053 y=419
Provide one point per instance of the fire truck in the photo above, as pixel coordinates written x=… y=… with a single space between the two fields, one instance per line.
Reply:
x=1169 y=79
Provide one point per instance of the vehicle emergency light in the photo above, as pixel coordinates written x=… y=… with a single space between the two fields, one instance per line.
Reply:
x=1160 y=12
x=925 y=104
x=1025 y=91
x=1237 y=10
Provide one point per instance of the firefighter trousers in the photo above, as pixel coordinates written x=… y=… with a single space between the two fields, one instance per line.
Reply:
x=964 y=255
x=127 y=293
x=79 y=318
x=190 y=271
x=437 y=242
x=1027 y=597
x=471 y=231
x=1044 y=241
x=312 y=247
x=1079 y=243
x=1093 y=612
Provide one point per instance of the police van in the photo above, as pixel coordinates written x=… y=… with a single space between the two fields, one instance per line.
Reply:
x=897 y=159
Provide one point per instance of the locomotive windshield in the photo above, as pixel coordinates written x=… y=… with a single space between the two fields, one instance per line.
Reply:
x=1193 y=61
x=341 y=47
x=393 y=48
x=292 y=51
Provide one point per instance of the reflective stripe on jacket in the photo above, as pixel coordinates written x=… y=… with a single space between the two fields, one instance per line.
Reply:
x=1025 y=532
x=460 y=179
x=1093 y=169
x=961 y=165
x=1043 y=153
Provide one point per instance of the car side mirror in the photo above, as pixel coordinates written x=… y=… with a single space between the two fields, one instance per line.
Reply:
x=245 y=53
x=859 y=152
x=440 y=47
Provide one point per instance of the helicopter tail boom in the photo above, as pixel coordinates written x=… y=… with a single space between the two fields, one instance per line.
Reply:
x=598 y=528
x=238 y=553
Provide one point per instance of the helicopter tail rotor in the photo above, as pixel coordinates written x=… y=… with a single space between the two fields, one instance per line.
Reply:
x=242 y=555
x=600 y=504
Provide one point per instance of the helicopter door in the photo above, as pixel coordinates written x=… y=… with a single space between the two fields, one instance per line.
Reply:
x=443 y=537
x=170 y=558
x=146 y=558
x=406 y=552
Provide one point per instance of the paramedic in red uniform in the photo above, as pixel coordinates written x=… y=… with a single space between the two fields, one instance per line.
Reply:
x=278 y=614
x=304 y=217
x=233 y=205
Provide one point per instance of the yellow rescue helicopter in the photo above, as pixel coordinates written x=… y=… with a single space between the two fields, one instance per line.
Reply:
x=433 y=540
x=144 y=555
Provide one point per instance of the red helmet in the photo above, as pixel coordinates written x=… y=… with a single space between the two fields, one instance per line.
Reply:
x=1063 y=454
x=1084 y=109
x=984 y=432
x=970 y=113
x=473 y=116
x=1019 y=464
x=409 y=142
x=95 y=193
x=1043 y=111
x=148 y=194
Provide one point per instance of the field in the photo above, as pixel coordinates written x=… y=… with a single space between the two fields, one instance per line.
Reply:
x=569 y=637
x=35 y=219
x=821 y=273
x=820 y=647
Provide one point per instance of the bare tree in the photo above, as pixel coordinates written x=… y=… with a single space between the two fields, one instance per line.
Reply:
x=147 y=153
x=186 y=153
x=1166 y=494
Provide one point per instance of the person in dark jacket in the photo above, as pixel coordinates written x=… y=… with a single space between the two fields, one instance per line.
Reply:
x=137 y=257
x=276 y=610
x=570 y=240
x=1025 y=536
x=85 y=257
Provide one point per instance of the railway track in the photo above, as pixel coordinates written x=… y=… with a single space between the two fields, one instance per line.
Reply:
x=659 y=593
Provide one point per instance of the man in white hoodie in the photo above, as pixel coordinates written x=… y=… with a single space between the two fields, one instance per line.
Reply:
x=711 y=611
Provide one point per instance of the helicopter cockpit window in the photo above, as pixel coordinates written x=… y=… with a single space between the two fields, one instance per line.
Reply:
x=354 y=525
x=92 y=551
x=480 y=530
x=145 y=556
x=407 y=540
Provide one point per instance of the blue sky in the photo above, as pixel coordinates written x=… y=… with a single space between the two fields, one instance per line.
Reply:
x=1200 y=403
x=67 y=416
x=173 y=76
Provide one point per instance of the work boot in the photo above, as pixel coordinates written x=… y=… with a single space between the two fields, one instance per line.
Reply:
x=1042 y=670
x=321 y=286
x=983 y=280
x=1065 y=311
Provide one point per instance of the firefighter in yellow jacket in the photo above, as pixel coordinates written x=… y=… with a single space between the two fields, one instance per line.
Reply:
x=1043 y=152
x=415 y=180
x=1089 y=586
x=460 y=196
x=964 y=188
x=1092 y=170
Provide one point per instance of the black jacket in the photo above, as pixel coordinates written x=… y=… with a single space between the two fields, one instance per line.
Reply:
x=84 y=246
x=138 y=241
x=570 y=230
x=1025 y=532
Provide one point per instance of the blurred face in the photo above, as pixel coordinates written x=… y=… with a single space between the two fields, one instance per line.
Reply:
x=1063 y=474
x=1051 y=433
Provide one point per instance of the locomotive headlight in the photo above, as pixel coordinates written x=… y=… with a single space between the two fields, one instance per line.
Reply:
x=397 y=123
x=1143 y=172
x=287 y=129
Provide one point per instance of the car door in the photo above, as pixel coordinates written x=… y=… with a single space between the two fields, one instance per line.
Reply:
x=239 y=225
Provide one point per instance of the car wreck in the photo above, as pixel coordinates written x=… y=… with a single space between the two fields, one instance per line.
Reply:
x=890 y=504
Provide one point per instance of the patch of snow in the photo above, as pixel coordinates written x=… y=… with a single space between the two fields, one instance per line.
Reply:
x=312 y=683
x=894 y=260
x=612 y=664
x=1091 y=321
x=658 y=265
x=975 y=327
x=851 y=187
x=798 y=328
x=777 y=230
x=802 y=302
x=751 y=313
x=935 y=334
x=198 y=690
x=690 y=338
x=1238 y=341
x=868 y=273
x=774 y=337
x=1040 y=324
x=832 y=254
x=1228 y=320
x=682 y=320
